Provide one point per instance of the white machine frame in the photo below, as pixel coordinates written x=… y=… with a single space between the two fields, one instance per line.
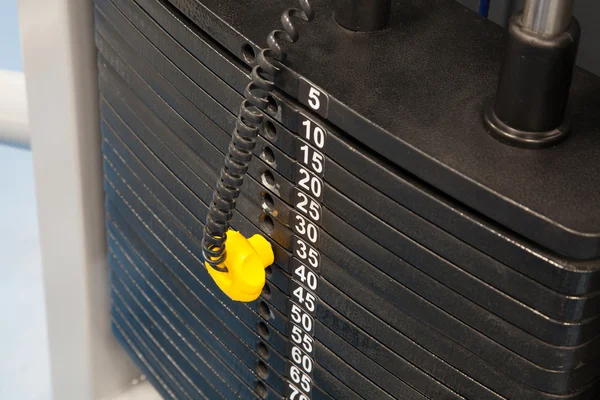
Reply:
x=59 y=57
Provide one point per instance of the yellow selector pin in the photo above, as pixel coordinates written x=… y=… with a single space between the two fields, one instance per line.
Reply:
x=245 y=263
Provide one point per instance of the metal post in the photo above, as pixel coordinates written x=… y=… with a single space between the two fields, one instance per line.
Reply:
x=530 y=109
x=547 y=17
x=363 y=15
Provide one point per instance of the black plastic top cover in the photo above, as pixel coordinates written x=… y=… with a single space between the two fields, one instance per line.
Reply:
x=437 y=64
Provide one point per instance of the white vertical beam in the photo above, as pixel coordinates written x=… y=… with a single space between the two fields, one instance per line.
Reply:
x=14 y=129
x=60 y=66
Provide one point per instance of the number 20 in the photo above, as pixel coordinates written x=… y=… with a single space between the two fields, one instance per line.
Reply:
x=310 y=183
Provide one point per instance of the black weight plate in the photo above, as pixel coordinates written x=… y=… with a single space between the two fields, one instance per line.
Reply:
x=180 y=384
x=129 y=293
x=275 y=274
x=441 y=137
x=144 y=361
x=552 y=353
x=575 y=277
x=193 y=382
x=567 y=307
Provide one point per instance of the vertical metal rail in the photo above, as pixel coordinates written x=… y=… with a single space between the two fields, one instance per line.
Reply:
x=547 y=17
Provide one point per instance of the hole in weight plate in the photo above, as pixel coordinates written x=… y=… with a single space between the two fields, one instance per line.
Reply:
x=267 y=224
x=262 y=350
x=262 y=370
x=266 y=291
x=248 y=53
x=264 y=310
x=270 y=130
x=272 y=107
x=261 y=389
x=263 y=330
x=268 y=178
x=268 y=155
x=268 y=202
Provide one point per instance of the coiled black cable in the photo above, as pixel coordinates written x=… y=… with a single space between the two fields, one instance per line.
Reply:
x=247 y=127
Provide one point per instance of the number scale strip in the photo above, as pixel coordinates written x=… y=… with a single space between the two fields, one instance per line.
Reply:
x=302 y=303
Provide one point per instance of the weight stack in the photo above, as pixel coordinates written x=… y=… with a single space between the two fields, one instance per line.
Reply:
x=416 y=256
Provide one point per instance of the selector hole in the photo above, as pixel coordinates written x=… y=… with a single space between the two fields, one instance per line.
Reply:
x=248 y=53
x=261 y=389
x=266 y=291
x=262 y=350
x=262 y=370
x=267 y=224
x=268 y=178
x=264 y=310
x=263 y=330
x=268 y=155
x=270 y=130
x=272 y=106
x=268 y=201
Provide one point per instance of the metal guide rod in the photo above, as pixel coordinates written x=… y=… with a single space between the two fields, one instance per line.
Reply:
x=530 y=109
x=547 y=17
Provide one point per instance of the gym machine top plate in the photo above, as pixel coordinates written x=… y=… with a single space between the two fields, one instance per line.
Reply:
x=437 y=83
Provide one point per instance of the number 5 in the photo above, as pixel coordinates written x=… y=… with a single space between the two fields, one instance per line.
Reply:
x=313 y=98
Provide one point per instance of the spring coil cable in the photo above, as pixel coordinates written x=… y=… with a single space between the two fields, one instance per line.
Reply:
x=243 y=140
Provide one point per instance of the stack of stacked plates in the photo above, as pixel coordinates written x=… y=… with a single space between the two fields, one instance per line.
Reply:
x=416 y=257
